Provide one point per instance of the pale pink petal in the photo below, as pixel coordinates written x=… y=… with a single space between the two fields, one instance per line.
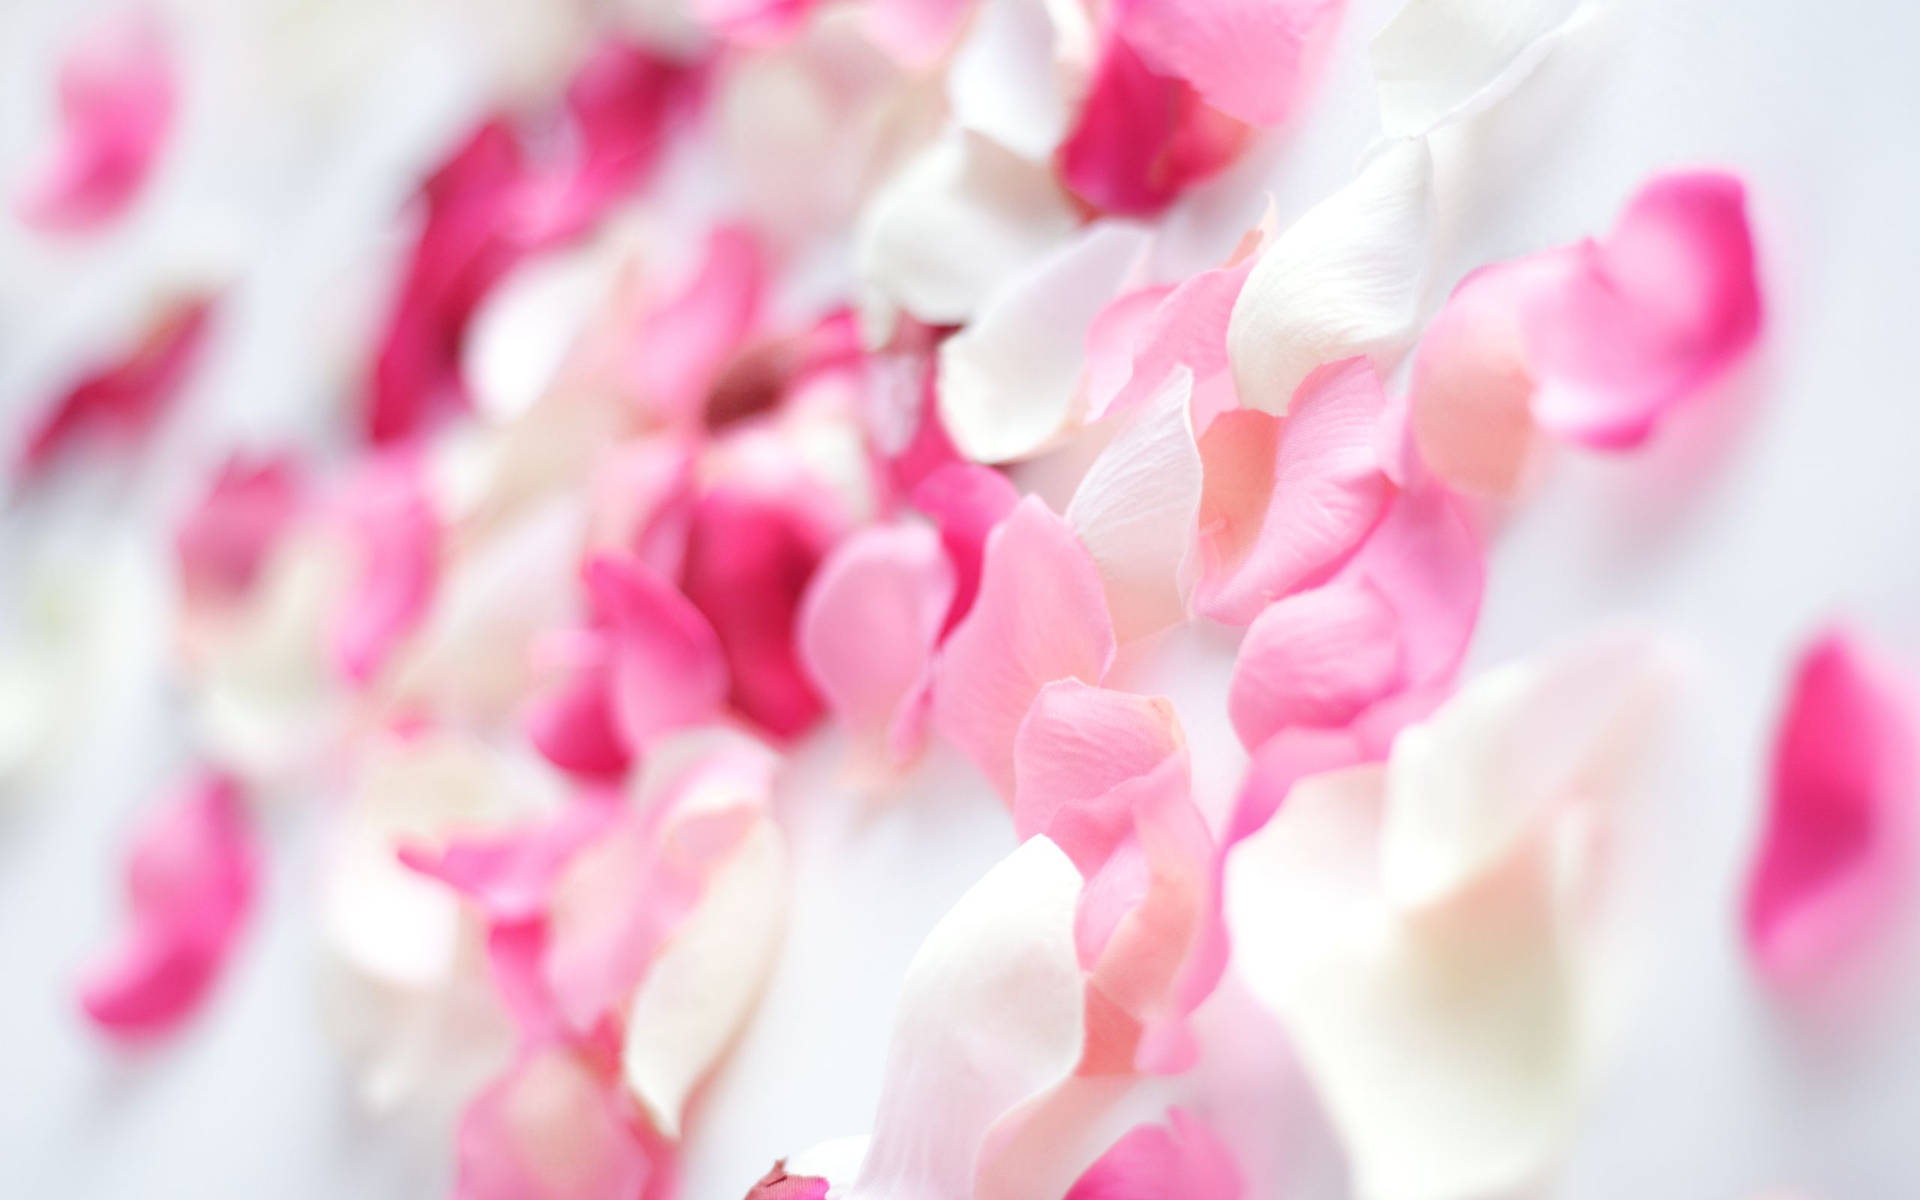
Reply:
x=1040 y=616
x=1287 y=500
x=868 y=629
x=509 y=874
x=123 y=398
x=1075 y=748
x=643 y=496
x=966 y=501
x=224 y=541
x=191 y=874
x=117 y=100
x=558 y=1126
x=1113 y=341
x=1284 y=759
x=1835 y=849
x=682 y=347
x=666 y=669
x=1248 y=58
x=917 y=32
x=1316 y=659
x=1136 y=511
x=1181 y=1160
x=1142 y=137
x=990 y=1016
x=754 y=21
x=1472 y=386
x=396 y=534
x=1187 y=327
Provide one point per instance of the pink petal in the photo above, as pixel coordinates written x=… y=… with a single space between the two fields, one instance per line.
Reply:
x=754 y=21
x=1040 y=616
x=667 y=667
x=1293 y=754
x=190 y=884
x=117 y=100
x=749 y=559
x=967 y=501
x=224 y=541
x=396 y=535
x=917 y=32
x=574 y=726
x=124 y=398
x=778 y=1185
x=868 y=630
x=681 y=349
x=1076 y=747
x=558 y=1126
x=1835 y=851
x=1287 y=500
x=1186 y=326
x=1142 y=138
x=1247 y=57
x=1317 y=659
x=1593 y=343
x=510 y=874
x=643 y=500
x=1181 y=1160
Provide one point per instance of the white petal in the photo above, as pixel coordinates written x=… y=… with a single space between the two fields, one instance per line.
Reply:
x=1003 y=83
x=1348 y=278
x=704 y=982
x=521 y=335
x=958 y=220
x=991 y=1014
x=1441 y=59
x=1010 y=381
x=1136 y=507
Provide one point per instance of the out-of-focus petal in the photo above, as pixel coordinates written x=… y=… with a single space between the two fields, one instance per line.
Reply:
x=125 y=397
x=916 y=32
x=1181 y=1160
x=1142 y=137
x=681 y=348
x=1137 y=508
x=1010 y=382
x=390 y=519
x=117 y=99
x=191 y=874
x=868 y=629
x=959 y=221
x=1004 y=83
x=991 y=1014
x=1835 y=848
x=1287 y=500
x=666 y=667
x=1041 y=615
x=1441 y=59
x=1248 y=58
x=966 y=501
x=1316 y=659
x=1348 y=278
x=225 y=541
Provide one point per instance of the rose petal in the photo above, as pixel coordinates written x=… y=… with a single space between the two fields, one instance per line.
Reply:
x=1040 y=616
x=1316 y=659
x=681 y=348
x=1136 y=511
x=1003 y=83
x=390 y=517
x=966 y=501
x=1246 y=57
x=666 y=663
x=1186 y=327
x=1010 y=382
x=1181 y=1160
x=223 y=544
x=1834 y=851
x=191 y=872
x=1348 y=278
x=1438 y=60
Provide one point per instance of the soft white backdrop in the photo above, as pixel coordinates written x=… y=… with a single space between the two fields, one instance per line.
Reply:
x=1790 y=496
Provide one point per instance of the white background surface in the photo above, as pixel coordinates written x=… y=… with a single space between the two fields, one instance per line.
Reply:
x=1791 y=496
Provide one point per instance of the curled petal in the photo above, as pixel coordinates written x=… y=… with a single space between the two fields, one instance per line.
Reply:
x=1834 y=850
x=1076 y=747
x=190 y=883
x=966 y=501
x=1246 y=57
x=117 y=100
x=1316 y=659
x=1136 y=511
x=1348 y=278
x=1010 y=382
x=666 y=665
x=1040 y=616
x=1287 y=500
x=868 y=629
x=1186 y=326
x=1441 y=59
x=990 y=1015
x=1181 y=1160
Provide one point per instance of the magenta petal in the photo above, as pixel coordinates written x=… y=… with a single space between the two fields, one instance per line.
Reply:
x=1835 y=849
x=510 y=874
x=1288 y=499
x=1041 y=615
x=124 y=398
x=1247 y=57
x=396 y=533
x=117 y=100
x=966 y=500
x=574 y=726
x=778 y=1185
x=666 y=666
x=1142 y=137
x=190 y=884
x=868 y=629
x=1181 y=1160
x=223 y=542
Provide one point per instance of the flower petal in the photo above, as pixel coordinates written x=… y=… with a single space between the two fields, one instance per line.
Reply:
x=1315 y=659
x=966 y=501
x=1348 y=278
x=1834 y=851
x=1040 y=616
x=1136 y=511
x=667 y=669
x=1441 y=59
x=1181 y=1160
x=1247 y=57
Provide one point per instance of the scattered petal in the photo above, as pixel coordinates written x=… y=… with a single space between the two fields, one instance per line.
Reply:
x=1438 y=60
x=1181 y=1160
x=1248 y=58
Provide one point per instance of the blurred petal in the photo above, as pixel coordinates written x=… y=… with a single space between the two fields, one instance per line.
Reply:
x=1136 y=511
x=1247 y=57
x=1004 y=84
x=117 y=100
x=1010 y=382
x=681 y=348
x=868 y=629
x=1834 y=852
x=666 y=666
x=191 y=874
x=1348 y=278
x=1441 y=59
x=990 y=1015
x=397 y=534
x=225 y=541
x=966 y=501
x=1317 y=659
x=1040 y=616
x=1181 y=1160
